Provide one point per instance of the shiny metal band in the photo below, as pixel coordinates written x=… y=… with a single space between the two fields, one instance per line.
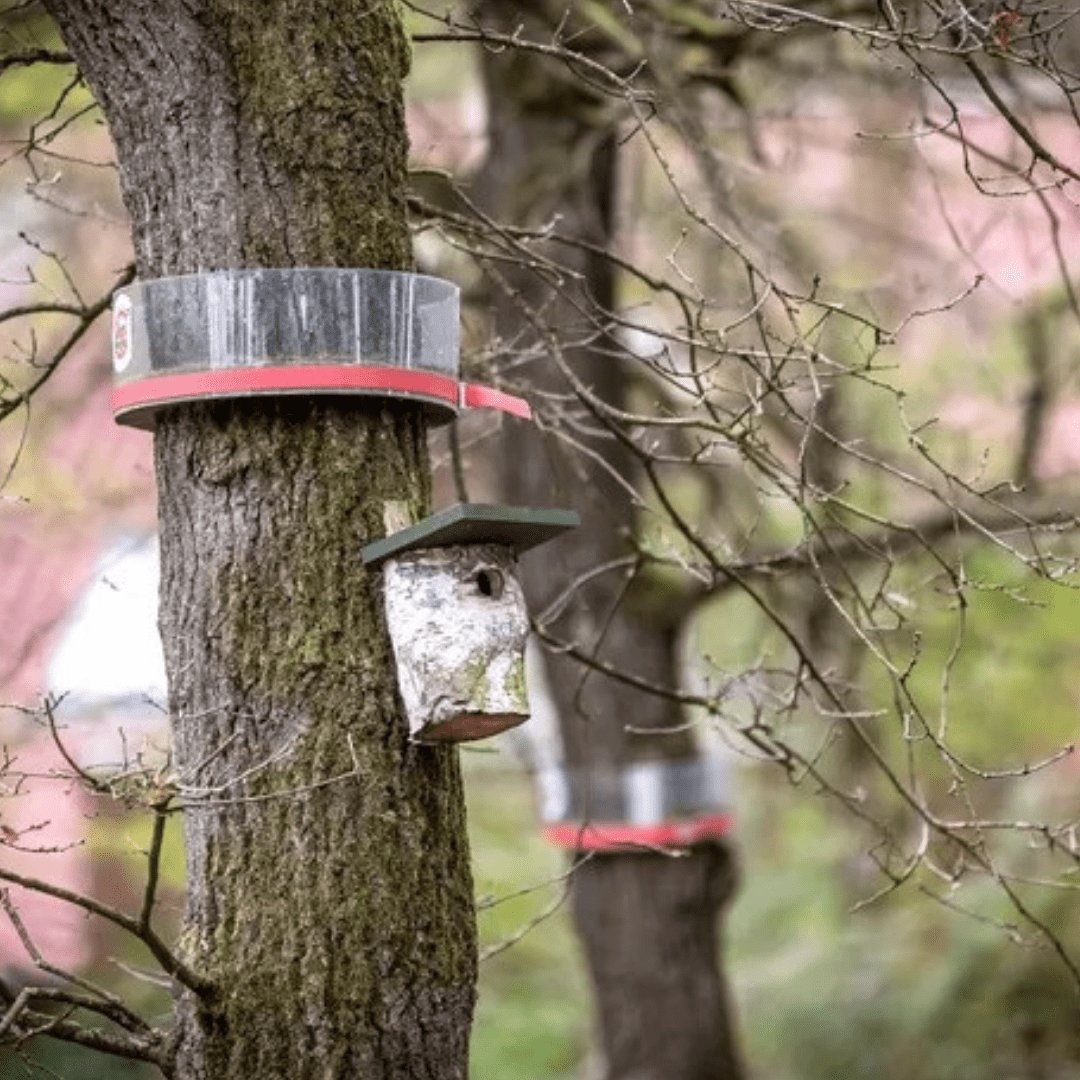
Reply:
x=246 y=333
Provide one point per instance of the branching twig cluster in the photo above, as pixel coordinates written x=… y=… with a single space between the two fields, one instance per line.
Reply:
x=751 y=370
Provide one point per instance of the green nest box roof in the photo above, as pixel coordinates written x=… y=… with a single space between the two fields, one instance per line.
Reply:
x=519 y=527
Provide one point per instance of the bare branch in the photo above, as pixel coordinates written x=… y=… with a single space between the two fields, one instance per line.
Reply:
x=86 y=316
x=26 y=57
x=102 y=1001
x=164 y=956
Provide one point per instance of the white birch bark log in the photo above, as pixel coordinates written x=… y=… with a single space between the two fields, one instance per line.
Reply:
x=458 y=623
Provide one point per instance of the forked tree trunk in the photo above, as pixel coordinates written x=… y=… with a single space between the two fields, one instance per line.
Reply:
x=335 y=919
x=648 y=922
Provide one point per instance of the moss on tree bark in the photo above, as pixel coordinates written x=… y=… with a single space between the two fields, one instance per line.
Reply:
x=330 y=899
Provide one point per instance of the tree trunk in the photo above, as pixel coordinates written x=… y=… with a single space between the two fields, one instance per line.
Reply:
x=648 y=922
x=329 y=893
x=650 y=929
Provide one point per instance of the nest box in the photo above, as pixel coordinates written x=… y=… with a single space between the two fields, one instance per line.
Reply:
x=251 y=333
x=457 y=617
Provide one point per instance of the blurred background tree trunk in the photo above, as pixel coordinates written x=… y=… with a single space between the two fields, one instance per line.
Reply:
x=647 y=920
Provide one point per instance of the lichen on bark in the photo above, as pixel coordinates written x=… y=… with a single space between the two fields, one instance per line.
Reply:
x=306 y=881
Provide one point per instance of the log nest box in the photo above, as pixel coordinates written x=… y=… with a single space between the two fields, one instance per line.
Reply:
x=457 y=617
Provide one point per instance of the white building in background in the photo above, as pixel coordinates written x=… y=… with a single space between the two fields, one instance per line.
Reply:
x=108 y=656
x=107 y=672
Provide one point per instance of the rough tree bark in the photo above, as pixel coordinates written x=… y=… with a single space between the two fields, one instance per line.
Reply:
x=334 y=923
x=648 y=922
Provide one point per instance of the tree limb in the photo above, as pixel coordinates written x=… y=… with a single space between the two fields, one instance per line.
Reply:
x=34 y=56
x=161 y=952
x=86 y=316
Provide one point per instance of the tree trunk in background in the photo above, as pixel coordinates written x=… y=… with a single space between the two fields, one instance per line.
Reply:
x=335 y=924
x=648 y=922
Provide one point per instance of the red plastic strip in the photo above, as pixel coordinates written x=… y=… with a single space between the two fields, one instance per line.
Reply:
x=620 y=837
x=162 y=389
x=487 y=397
